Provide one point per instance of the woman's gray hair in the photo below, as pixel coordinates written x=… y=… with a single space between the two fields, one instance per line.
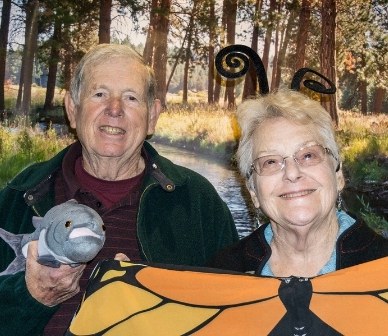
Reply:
x=102 y=53
x=285 y=103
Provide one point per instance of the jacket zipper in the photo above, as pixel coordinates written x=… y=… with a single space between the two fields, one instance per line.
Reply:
x=138 y=214
x=36 y=211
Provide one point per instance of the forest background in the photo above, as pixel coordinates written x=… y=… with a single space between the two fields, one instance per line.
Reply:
x=41 y=41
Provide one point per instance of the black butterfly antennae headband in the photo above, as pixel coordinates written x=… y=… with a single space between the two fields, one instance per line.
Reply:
x=237 y=57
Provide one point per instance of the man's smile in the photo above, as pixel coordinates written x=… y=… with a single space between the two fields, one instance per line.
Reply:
x=112 y=130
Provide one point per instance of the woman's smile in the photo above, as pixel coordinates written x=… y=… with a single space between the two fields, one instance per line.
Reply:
x=295 y=194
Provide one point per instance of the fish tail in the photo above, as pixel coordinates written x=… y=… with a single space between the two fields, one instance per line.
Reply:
x=13 y=240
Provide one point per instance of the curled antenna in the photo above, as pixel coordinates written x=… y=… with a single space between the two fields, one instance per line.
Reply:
x=237 y=56
x=310 y=83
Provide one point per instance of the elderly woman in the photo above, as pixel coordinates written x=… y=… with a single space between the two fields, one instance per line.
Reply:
x=290 y=158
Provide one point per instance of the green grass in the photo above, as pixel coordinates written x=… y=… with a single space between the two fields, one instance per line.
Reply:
x=364 y=146
x=21 y=147
x=377 y=223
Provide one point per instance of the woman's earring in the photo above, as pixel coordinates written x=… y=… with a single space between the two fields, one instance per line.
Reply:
x=260 y=217
x=339 y=201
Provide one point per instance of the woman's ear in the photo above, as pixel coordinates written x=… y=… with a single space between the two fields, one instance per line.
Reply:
x=70 y=110
x=252 y=192
x=340 y=178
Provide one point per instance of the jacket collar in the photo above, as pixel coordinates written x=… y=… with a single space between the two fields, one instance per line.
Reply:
x=161 y=169
x=37 y=182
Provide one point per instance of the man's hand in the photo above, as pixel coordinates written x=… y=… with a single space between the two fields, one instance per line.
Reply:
x=50 y=286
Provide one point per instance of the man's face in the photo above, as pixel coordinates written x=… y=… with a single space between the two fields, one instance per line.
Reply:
x=113 y=118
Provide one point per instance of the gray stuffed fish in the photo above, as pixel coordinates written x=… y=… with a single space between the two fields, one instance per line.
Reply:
x=70 y=233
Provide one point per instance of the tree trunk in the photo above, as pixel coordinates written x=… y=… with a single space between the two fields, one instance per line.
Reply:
x=177 y=59
x=148 y=51
x=30 y=45
x=160 y=51
x=250 y=83
x=276 y=52
x=223 y=42
x=105 y=21
x=67 y=57
x=378 y=100
x=21 y=85
x=4 y=29
x=188 y=53
x=212 y=43
x=363 y=97
x=67 y=71
x=283 y=49
x=327 y=54
x=363 y=89
x=268 y=34
x=302 y=36
x=53 y=66
x=230 y=6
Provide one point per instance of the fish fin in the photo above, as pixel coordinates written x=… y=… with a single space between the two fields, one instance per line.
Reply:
x=17 y=265
x=13 y=240
x=49 y=260
x=36 y=221
x=45 y=255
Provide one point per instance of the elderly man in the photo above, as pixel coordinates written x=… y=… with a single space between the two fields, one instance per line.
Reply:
x=153 y=210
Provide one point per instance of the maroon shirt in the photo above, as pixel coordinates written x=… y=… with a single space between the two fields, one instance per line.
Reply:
x=116 y=202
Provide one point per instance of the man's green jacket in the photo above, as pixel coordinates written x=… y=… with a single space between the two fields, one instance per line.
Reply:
x=181 y=220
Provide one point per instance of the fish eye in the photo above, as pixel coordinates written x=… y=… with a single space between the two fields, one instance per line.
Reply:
x=68 y=224
x=103 y=228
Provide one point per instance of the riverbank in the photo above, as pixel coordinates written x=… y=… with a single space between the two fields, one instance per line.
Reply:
x=224 y=153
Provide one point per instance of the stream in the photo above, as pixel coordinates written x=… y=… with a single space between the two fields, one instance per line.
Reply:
x=226 y=180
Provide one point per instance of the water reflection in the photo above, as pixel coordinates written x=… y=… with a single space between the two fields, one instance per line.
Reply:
x=227 y=182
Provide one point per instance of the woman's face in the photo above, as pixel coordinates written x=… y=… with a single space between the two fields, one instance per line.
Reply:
x=294 y=196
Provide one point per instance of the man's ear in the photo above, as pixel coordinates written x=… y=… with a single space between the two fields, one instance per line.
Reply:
x=153 y=117
x=70 y=110
x=252 y=192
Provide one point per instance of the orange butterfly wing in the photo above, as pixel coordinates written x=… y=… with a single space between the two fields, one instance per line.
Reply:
x=247 y=305
x=354 y=300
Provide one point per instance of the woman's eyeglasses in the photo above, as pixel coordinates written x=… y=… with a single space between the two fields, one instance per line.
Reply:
x=304 y=157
